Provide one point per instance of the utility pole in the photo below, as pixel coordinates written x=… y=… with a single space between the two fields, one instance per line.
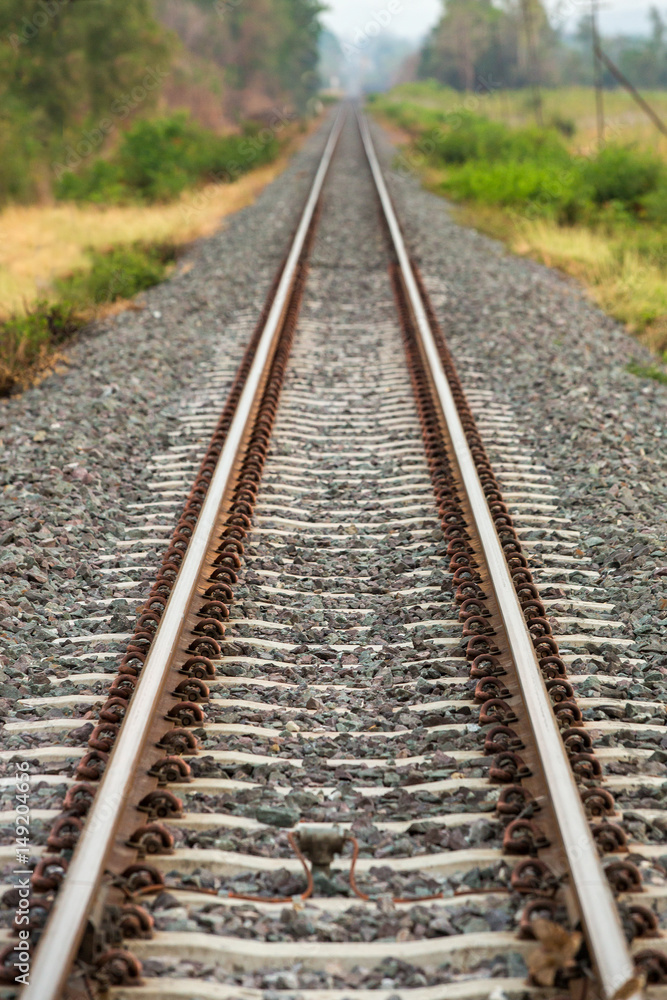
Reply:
x=502 y=72
x=599 y=100
x=533 y=68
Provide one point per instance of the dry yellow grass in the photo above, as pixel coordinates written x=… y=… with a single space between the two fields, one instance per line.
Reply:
x=40 y=243
x=625 y=122
x=626 y=286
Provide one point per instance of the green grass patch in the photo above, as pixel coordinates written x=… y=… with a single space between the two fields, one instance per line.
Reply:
x=533 y=170
x=600 y=216
x=655 y=372
x=117 y=274
x=28 y=342
x=530 y=169
x=159 y=158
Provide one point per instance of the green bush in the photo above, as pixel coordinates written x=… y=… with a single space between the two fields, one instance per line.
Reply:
x=471 y=137
x=533 y=171
x=25 y=341
x=117 y=274
x=154 y=157
x=158 y=158
x=411 y=117
x=544 y=189
x=566 y=126
x=45 y=321
x=101 y=183
x=623 y=175
x=654 y=204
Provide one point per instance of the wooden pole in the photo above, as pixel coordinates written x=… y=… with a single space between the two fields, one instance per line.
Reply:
x=599 y=100
x=532 y=62
x=623 y=80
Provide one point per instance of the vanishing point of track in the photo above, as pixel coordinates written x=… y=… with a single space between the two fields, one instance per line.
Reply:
x=368 y=472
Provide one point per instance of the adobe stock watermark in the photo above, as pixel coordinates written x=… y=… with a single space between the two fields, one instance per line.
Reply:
x=417 y=156
x=225 y=7
x=249 y=151
x=92 y=139
x=32 y=25
x=363 y=34
x=22 y=874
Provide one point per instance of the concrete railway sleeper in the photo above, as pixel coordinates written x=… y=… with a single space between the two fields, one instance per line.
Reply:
x=346 y=749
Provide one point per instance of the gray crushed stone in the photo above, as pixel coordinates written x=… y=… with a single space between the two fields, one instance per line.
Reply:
x=74 y=450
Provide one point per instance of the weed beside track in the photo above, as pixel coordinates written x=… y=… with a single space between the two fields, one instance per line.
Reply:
x=599 y=216
x=28 y=342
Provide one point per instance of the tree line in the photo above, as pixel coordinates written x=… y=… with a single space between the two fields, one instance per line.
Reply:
x=514 y=43
x=72 y=72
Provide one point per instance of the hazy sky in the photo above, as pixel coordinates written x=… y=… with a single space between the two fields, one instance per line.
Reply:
x=413 y=18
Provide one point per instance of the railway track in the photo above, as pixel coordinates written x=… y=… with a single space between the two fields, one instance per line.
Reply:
x=351 y=748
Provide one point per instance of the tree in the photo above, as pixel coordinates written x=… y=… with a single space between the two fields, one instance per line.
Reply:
x=477 y=42
x=66 y=61
x=460 y=48
x=269 y=47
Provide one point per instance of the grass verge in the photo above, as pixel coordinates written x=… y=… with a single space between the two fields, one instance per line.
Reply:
x=601 y=218
x=41 y=243
x=62 y=265
x=29 y=342
x=648 y=371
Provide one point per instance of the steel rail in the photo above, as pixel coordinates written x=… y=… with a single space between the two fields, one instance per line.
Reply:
x=56 y=950
x=601 y=922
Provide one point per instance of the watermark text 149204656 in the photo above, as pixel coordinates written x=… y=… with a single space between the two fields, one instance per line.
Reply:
x=22 y=873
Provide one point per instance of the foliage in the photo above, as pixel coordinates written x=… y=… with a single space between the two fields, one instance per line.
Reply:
x=72 y=60
x=642 y=59
x=157 y=159
x=534 y=187
x=67 y=66
x=623 y=175
x=530 y=169
x=101 y=182
x=655 y=372
x=611 y=187
x=512 y=44
x=477 y=41
x=566 y=126
x=472 y=137
x=75 y=74
x=118 y=274
x=268 y=47
x=27 y=342
x=18 y=148
x=655 y=204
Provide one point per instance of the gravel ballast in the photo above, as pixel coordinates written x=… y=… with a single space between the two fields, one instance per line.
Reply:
x=355 y=704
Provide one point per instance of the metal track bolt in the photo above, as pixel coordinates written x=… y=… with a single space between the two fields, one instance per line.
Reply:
x=321 y=844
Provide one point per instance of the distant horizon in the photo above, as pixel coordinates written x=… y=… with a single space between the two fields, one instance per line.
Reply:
x=413 y=19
